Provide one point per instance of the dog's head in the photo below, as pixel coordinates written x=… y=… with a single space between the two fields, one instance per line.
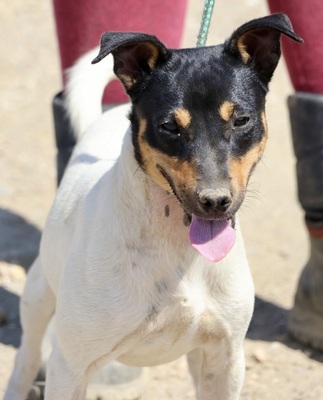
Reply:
x=198 y=115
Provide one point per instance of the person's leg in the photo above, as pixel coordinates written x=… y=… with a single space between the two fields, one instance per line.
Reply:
x=80 y=25
x=305 y=66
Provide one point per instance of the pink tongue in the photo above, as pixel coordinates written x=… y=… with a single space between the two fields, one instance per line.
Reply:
x=212 y=239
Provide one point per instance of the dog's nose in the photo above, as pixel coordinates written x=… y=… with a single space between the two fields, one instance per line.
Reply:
x=215 y=200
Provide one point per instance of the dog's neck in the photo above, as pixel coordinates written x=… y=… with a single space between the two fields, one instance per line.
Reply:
x=157 y=215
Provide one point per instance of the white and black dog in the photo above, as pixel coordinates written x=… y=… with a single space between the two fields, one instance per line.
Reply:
x=140 y=260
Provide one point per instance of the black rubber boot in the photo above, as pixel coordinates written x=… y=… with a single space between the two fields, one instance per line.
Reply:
x=115 y=381
x=306 y=114
x=65 y=137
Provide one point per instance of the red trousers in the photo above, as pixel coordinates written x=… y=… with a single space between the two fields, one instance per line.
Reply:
x=81 y=23
x=304 y=61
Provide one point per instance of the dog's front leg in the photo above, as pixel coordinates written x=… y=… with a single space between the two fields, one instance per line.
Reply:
x=64 y=381
x=218 y=371
x=36 y=308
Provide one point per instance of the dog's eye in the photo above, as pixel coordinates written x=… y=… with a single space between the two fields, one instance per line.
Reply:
x=170 y=127
x=241 y=121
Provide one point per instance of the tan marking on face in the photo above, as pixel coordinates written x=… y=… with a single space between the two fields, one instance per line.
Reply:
x=240 y=168
x=226 y=110
x=149 y=157
x=182 y=173
x=183 y=117
x=246 y=57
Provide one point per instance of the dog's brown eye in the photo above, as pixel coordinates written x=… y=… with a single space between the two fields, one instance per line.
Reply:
x=241 y=121
x=170 y=127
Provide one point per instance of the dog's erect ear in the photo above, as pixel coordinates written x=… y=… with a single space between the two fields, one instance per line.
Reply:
x=135 y=55
x=258 y=43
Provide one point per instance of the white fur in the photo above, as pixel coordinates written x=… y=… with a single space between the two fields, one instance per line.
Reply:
x=122 y=278
x=85 y=87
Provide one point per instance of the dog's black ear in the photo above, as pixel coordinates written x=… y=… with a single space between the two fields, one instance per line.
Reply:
x=258 y=43
x=135 y=55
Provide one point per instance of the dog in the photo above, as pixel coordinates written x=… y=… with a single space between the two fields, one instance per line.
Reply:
x=141 y=258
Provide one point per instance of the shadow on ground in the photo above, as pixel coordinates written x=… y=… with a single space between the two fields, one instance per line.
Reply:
x=19 y=239
x=19 y=243
x=269 y=324
x=10 y=331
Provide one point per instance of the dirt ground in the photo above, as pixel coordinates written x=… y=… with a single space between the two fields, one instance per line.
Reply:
x=277 y=367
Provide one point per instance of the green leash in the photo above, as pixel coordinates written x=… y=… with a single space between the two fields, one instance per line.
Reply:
x=205 y=23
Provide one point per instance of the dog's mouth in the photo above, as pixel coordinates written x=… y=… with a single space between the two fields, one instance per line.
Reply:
x=212 y=238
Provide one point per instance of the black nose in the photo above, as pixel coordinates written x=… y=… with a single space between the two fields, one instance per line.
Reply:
x=215 y=200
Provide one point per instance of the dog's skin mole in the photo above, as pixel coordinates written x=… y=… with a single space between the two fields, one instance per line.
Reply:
x=151 y=312
x=187 y=219
x=167 y=210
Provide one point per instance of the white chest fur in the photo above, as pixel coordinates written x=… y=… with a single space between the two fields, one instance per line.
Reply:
x=188 y=319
